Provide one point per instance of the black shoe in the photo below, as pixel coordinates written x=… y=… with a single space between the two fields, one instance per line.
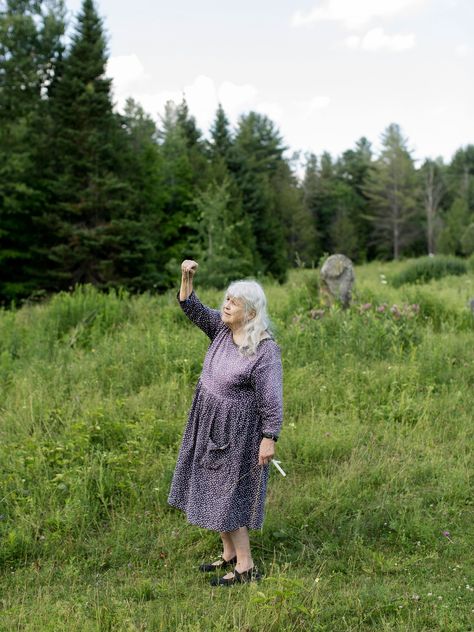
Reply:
x=251 y=575
x=222 y=563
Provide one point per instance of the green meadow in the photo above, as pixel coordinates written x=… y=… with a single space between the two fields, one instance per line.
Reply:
x=372 y=529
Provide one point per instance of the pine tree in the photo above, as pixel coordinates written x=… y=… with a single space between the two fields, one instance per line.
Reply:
x=392 y=190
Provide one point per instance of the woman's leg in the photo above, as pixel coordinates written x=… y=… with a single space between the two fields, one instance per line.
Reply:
x=229 y=549
x=241 y=544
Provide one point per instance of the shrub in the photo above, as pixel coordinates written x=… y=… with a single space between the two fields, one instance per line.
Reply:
x=470 y=263
x=427 y=268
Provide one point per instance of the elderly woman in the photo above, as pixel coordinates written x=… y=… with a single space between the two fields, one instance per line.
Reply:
x=221 y=474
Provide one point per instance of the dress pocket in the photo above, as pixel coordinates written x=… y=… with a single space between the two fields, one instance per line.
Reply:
x=215 y=456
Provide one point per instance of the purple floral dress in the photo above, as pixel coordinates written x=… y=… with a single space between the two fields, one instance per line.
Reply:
x=217 y=481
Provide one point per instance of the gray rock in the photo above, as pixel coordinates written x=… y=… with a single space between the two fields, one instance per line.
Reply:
x=471 y=304
x=337 y=278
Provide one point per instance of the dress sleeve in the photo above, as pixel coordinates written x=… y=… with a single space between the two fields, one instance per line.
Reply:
x=267 y=382
x=206 y=318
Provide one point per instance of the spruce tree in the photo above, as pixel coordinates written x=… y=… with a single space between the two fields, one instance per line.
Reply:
x=178 y=185
x=88 y=188
x=257 y=153
x=353 y=169
x=221 y=137
x=392 y=189
x=30 y=47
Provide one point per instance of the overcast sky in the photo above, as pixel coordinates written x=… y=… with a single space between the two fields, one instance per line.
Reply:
x=325 y=71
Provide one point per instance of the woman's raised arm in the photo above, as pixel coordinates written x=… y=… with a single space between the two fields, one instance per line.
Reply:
x=206 y=318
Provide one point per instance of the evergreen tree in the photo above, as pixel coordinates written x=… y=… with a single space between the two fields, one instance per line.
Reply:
x=392 y=190
x=353 y=169
x=456 y=222
x=89 y=190
x=460 y=174
x=227 y=243
x=178 y=185
x=300 y=232
x=140 y=257
x=257 y=153
x=310 y=189
x=195 y=145
x=221 y=138
x=30 y=47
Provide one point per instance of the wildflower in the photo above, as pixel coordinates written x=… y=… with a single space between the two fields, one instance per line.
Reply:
x=447 y=535
x=395 y=311
x=415 y=597
x=381 y=308
x=415 y=308
x=365 y=306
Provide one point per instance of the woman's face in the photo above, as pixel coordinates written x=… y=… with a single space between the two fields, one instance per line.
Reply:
x=233 y=312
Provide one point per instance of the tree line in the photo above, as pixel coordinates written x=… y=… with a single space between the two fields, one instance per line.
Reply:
x=91 y=195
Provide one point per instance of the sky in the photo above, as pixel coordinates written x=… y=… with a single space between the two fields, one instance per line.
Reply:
x=327 y=72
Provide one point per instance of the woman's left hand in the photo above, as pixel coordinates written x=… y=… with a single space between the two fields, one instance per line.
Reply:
x=267 y=450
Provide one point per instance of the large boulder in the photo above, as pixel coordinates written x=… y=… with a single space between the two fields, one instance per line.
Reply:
x=337 y=278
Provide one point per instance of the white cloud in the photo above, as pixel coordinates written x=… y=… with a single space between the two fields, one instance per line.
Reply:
x=376 y=39
x=127 y=71
x=354 y=13
x=235 y=99
x=202 y=95
x=352 y=42
x=274 y=111
x=462 y=50
x=305 y=108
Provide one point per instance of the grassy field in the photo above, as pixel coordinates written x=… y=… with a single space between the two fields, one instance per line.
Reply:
x=372 y=529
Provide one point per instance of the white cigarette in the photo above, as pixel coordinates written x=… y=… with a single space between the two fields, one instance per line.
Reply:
x=277 y=465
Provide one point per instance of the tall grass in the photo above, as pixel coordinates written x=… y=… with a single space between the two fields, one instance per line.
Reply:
x=425 y=269
x=372 y=529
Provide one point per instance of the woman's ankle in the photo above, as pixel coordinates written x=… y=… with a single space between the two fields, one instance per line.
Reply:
x=244 y=564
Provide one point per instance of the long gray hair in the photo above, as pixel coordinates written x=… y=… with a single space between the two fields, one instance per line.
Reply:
x=253 y=296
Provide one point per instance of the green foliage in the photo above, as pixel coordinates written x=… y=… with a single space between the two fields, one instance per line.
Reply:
x=227 y=238
x=424 y=269
x=256 y=160
x=30 y=49
x=392 y=190
x=95 y=390
x=88 y=195
x=470 y=263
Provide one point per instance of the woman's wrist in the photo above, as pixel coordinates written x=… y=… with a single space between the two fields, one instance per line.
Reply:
x=270 y=435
